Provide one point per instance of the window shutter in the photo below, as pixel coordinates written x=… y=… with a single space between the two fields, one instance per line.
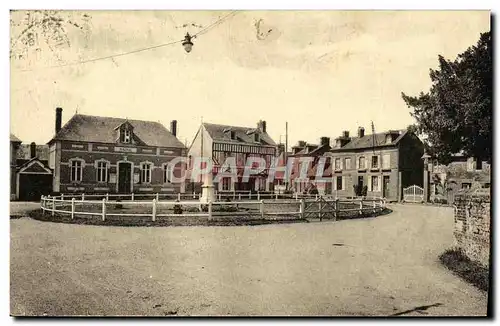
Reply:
x=379 y=161
x=370 y=183
x=343 y=183
x=334 y=183
x=357 y=162
x=341 y=163
x=379 y=185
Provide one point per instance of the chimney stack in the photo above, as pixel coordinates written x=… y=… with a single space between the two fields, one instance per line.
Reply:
x=173 y=127
x=361 y=132
x=32 y=150
x=325 y=141
x=58 y=119
x=261 y=125
x=345 y=134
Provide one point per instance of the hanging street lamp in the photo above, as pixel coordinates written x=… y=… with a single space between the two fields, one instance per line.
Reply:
x=187 y=44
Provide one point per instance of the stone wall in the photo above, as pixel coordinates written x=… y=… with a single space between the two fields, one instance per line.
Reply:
x=472 y=225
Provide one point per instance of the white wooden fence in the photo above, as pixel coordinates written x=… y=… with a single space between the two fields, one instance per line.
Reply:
x=299 y=208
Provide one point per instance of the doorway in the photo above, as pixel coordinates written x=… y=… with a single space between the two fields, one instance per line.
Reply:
x=124 y=177
x=387 y=180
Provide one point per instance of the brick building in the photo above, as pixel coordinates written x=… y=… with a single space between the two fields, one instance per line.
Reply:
x=220 y=142
x=384 y=162
x=113 y=155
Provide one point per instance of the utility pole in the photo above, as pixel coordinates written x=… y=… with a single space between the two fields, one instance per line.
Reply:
x=285 y=156
x=201 y=154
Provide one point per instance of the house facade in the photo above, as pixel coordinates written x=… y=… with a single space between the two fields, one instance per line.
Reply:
x=312 y=159
x=383 y=162
x=218 y=143
x=93 y=154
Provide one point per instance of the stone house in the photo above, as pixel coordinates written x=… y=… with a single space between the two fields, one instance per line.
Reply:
x=384 y=162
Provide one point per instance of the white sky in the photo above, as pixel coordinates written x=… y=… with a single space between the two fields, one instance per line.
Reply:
x=322 y=71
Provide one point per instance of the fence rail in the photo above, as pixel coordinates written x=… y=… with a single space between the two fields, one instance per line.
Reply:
x=292 y=207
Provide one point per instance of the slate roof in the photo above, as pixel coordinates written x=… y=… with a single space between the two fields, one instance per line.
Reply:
x=89 y=128
x=244 y=135
x=13 y=138
x=366 y=141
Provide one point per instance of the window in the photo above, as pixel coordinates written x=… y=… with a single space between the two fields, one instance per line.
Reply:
x=337 y=164
x=146 y=172
x=126 y=136
x=233 y=135
x=362 y=163
x=348 y=163
x=226 y=184
x=256 y=137
x=375 y=183
x=375 y=162
x=167 y=173
x=487 y=185
x=102 y=171
x=76 y=170
x=386 y=161
x=339 y=183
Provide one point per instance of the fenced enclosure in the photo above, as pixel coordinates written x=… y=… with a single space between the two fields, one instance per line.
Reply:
x=139 y=207
x=413 y=194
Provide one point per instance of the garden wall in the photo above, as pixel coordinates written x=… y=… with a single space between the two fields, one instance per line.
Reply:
x=472 y=225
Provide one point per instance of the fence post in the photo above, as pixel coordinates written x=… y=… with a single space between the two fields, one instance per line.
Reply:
x=154 y=209
x=210 y=210
x=262 y=209
x=258 y=195
x=103 y=209
x=234 y=195
x=374 y=206
x=250 y=195
x=296 y=197
x=276 y=196
x=239 y=196
x=337 y=208
x=83 y=196
x=53 y=205
x=302 y=208
x=62 y=196
x=73 y=208
x=194 y=194
x=320 y=209
x=219 y=196
x=361 y=206
x=132 y=197
x=107 y=197
x=178 y=196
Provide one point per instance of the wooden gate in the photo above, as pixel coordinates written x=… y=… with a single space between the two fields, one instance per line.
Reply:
x=320 y=208
x=413 y=194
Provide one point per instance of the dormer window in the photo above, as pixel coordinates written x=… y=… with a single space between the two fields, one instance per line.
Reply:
x=233 y=135
x=388 y=138
x=126 y=136
x=256 y=137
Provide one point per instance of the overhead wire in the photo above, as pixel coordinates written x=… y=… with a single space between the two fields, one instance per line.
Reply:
x=203 y=31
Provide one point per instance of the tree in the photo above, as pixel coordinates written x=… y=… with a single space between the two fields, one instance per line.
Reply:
x=455 y=114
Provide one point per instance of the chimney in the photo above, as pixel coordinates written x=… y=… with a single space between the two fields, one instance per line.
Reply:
x=301 y=143
x=58 y=119
x=325 y=141
x=32 y=150
x=261 y=125
x=361 y=132
x=281 y=148
x=345 y=134
x=173 y=127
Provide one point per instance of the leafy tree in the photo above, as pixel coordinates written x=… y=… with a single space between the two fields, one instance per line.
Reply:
x=455 y=114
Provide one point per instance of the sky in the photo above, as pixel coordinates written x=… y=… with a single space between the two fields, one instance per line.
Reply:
x=321 y=71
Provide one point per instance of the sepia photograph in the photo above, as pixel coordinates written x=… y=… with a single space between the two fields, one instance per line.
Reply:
x=244 y=163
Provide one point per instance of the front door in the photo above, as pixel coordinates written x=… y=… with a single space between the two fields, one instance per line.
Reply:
x=124 y=177
x=386 y=186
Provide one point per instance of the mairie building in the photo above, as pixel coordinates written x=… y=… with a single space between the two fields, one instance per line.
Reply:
x=93 y=154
